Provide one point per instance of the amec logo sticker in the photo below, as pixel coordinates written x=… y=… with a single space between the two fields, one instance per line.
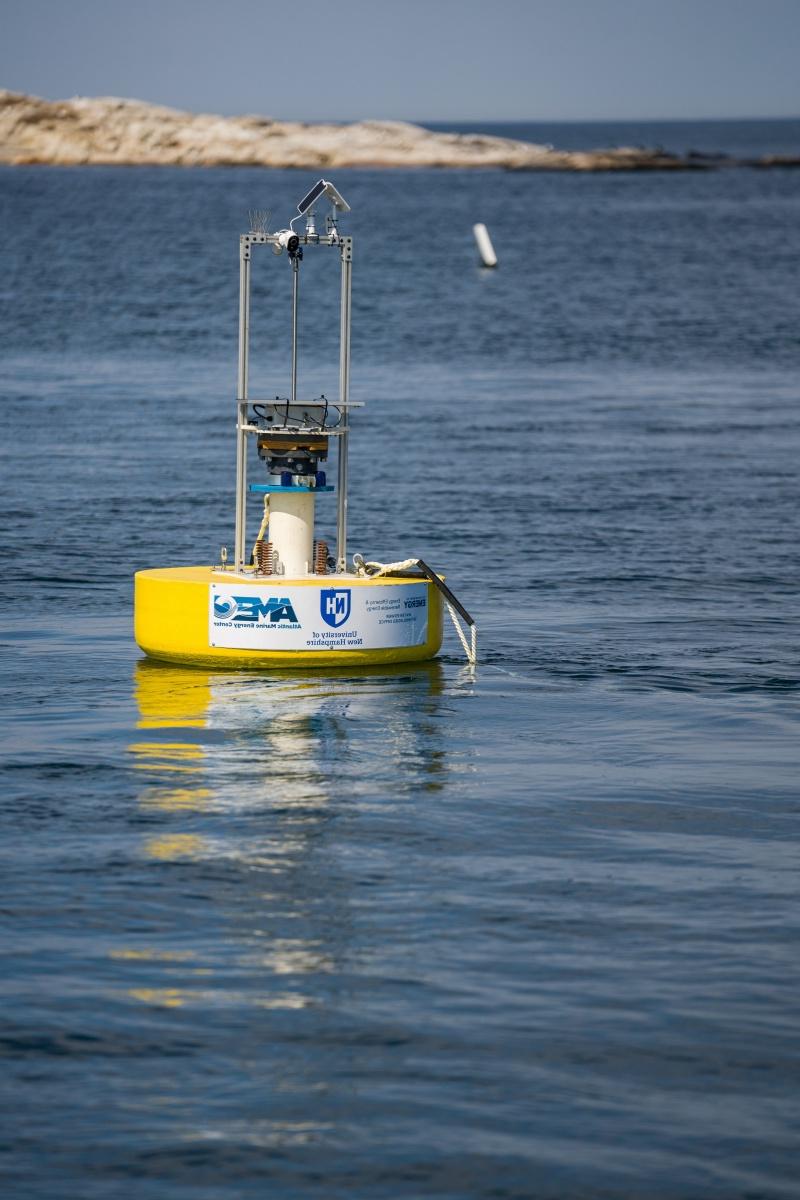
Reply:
x=248 y=610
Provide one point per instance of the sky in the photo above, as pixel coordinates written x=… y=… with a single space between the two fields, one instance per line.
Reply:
x=418 y=60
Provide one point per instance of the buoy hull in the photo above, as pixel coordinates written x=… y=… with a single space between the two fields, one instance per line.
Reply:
x=209 y=618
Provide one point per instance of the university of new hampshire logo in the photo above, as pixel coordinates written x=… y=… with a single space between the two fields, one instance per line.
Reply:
x=334 y=605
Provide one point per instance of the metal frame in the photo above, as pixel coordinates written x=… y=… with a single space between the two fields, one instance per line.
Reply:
x=243 y=427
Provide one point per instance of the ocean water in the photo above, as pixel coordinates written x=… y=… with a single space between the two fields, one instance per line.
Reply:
x=527 y=931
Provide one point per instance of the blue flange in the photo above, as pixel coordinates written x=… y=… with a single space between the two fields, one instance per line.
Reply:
x=279 y=487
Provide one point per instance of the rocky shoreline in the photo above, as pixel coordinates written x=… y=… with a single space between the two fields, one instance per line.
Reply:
x=107 y=131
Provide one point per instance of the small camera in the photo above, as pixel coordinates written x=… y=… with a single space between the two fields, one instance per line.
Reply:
x=288 y=241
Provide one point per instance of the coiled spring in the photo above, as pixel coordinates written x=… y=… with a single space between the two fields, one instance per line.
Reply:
x=264 y=556
x=320 y=558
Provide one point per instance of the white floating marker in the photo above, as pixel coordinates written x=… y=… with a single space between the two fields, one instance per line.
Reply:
x=485 y=247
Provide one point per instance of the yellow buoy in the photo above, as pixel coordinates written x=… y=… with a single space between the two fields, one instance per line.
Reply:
x=287 y=602
x=180 y=616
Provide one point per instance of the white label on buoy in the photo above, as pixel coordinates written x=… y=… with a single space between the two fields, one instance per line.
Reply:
x=281 y=617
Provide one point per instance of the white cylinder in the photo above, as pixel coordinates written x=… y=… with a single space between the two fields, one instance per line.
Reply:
x=485 y=247
x=291 y=531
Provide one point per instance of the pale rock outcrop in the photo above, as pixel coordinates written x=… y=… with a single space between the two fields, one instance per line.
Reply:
x=106 y=130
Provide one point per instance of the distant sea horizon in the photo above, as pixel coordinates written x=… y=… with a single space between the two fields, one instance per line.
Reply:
x=746 y=137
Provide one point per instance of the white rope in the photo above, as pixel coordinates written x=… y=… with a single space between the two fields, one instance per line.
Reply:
x=374 y=570
x=264 y=523
x=469 y=650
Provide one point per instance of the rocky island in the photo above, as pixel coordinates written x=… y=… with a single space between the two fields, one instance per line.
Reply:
x=109 y=131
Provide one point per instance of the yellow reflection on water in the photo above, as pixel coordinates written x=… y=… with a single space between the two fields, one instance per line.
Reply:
x=251 y=772
x=163 y=997
x=171 y=696
x=275 y=745
x=174 y=997
x=150 y=954
x=175 y=799
x=166 y=750
x=176 y=845
x=167 y=756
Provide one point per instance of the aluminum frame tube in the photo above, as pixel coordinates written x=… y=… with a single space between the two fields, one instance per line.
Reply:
x=344 y=396
x=241 y=405
x=295 y=290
